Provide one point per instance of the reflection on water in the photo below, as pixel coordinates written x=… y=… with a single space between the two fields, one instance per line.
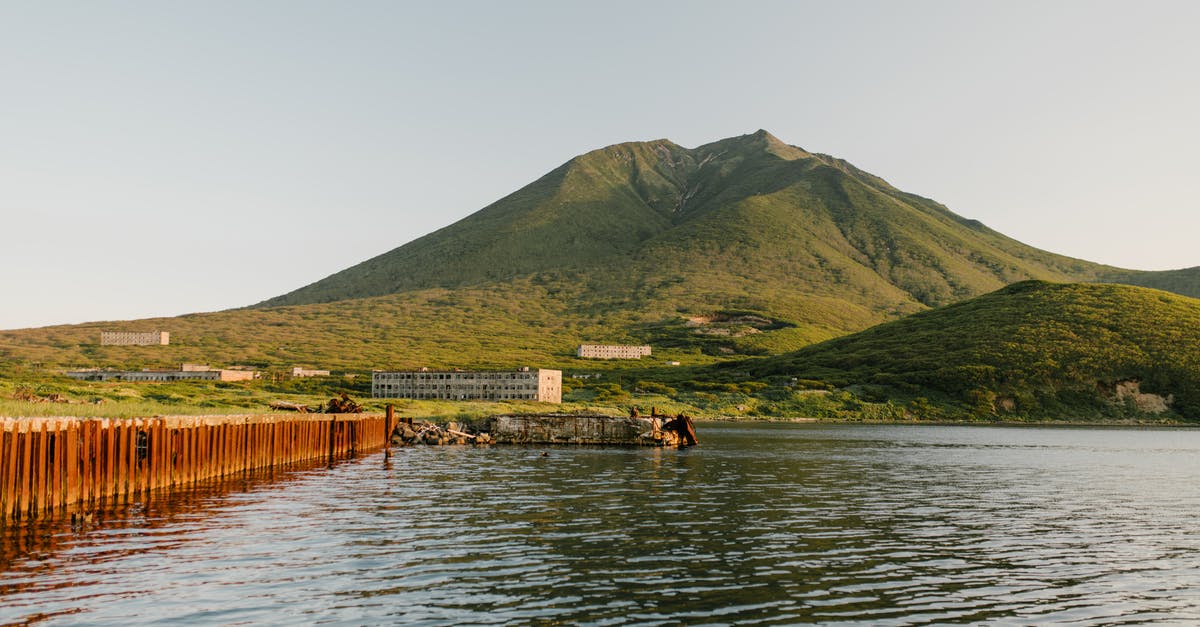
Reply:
x=761 y=524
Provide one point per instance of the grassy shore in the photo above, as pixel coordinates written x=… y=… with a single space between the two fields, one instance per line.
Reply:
x=777 y=398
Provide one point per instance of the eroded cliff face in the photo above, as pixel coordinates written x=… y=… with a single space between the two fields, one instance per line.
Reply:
x=1149 y=403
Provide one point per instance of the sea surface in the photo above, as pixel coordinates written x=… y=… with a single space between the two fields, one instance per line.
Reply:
x=761 y=524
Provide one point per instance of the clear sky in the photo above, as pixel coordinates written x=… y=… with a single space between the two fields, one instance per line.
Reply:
x=161 y=158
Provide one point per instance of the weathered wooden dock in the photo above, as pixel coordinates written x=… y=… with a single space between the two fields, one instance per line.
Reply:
x=55 y=466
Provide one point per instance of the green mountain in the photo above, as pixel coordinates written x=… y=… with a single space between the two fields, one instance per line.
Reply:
x=745 y=246
x=1032 y=349
x=743 y=223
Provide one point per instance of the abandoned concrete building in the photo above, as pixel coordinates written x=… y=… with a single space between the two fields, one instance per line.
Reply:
x=538 y=384
x=299 y=373
x=186 y=372
x=612 y=351
x=134 y=338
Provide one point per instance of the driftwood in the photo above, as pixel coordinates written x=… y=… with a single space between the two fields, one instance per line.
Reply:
x=289 y=406
x=432 y=434
x=25 y=393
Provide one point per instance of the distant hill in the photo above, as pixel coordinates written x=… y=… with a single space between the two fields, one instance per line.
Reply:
x=1033 y=348
x=744 y=246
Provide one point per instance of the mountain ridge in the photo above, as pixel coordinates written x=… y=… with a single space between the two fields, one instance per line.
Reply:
x=610 y=206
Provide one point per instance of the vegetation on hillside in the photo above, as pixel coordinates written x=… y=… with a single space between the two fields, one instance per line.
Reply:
x=745 y=247
x=1030 y=351
x=745 y=218
x=1033 y=349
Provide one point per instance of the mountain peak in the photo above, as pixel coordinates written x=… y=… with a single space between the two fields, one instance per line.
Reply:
x=763 y=134
x=744 y=217
x=760 y=141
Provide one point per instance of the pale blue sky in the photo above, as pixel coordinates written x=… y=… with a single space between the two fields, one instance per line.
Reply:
x=160 y=158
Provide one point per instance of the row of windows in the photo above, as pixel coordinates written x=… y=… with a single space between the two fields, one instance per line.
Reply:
x=436 y=386
x=453 y=376
x=460 y=396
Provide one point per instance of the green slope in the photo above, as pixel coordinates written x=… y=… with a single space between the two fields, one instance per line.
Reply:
x=1035 y=349
x=644 y=242
x=745 y=222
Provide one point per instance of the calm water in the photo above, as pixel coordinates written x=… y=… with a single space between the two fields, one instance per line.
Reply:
x=761 y=524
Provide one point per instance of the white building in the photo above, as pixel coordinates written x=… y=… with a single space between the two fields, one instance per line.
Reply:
x=524 y=384
x=186 y=372
x=134 y=338
x=298 y=372
x=612 y=351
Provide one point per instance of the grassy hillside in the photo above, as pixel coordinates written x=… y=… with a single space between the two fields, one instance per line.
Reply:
x=745 y=221
x=743 y=247
x=1031 y=349
x=1184 y=281
x=519 y=323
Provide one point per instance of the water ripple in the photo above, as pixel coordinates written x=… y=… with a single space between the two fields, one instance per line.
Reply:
x=763 y=524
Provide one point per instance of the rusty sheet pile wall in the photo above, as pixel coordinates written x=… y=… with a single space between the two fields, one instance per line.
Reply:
x=55 y=465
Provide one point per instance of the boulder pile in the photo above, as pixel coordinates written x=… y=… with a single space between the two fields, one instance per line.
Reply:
x=430 y=434
x=579 y=428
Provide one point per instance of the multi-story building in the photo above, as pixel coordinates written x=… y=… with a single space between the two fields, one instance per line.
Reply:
x=538 y=384
x=612 y=351
x=134 y=338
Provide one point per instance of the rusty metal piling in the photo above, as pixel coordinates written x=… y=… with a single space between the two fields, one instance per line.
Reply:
x=55 y=466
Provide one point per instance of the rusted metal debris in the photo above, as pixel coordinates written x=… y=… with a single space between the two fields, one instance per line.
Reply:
x=680 y=424
x=343 y=405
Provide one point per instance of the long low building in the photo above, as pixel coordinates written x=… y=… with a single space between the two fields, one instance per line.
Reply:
x=134 y=338
x=525 y=384
x=612 y=351
x=187 y=372
x=300 y=373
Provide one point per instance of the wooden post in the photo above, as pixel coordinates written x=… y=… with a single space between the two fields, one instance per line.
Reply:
x=56 y=468
x=332 y=438
x=7 y=475
x=128 y=459
x=96 y=459
x=24 y=442
x=39 y=470
x=110 y=460
x=387 y=431
x=246 y=445
x=71 y=459
x=119 y=457
x=206 y=435
x=184 y=463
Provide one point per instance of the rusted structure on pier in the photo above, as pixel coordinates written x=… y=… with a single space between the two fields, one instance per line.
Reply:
x=54 y=466
x=586 y=428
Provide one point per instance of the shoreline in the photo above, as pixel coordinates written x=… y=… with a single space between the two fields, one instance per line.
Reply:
x=6 y=422
x=956 y=423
